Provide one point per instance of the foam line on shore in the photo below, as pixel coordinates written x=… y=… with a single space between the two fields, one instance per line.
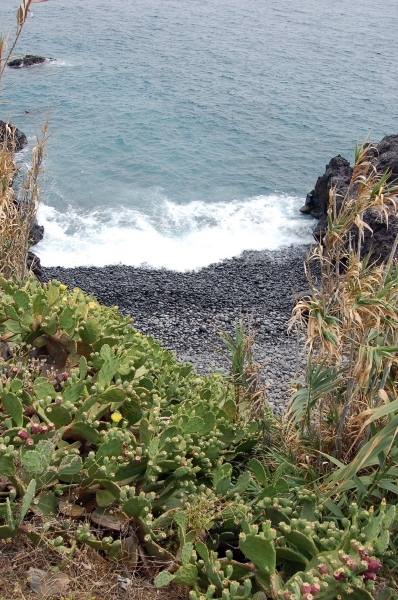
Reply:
x=172 y=236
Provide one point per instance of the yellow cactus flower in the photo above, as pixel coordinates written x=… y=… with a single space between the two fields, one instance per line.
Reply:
x=138 y=334
x=62 y=287
x=92 y=304
x=116 y=416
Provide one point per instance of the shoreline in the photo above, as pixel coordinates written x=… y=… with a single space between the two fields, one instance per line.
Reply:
x=185 y=309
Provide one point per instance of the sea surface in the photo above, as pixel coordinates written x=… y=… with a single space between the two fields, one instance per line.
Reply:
x=186 y=131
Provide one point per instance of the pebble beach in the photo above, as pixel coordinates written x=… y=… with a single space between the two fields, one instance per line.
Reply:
x=185 y=310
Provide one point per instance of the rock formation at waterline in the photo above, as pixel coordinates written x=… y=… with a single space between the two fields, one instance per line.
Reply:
x=16 y=140
x=384 y=156
x=27 y=61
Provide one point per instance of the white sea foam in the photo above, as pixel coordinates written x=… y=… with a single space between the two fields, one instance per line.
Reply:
x=178 y=237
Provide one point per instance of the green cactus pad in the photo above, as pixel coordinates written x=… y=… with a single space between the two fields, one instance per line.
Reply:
x=13 y=406
x=163 y=578
x=46 y=503
x=260 y=551
x=7 y=466
x=186 y=575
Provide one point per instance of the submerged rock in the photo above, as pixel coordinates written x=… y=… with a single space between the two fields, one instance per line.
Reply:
x=338 y=172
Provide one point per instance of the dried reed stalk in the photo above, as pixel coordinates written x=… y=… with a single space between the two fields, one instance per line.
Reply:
x=351 y=321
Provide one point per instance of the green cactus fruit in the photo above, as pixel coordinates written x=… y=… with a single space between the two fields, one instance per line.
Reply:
x=260 y=551
x=163 y=578
x=13 y=406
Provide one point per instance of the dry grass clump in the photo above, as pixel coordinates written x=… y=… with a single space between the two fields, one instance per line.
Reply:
x=18 y=214
x=351 y=323
x=91 y=577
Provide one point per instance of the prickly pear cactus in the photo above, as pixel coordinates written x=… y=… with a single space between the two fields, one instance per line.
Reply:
x=98 y=421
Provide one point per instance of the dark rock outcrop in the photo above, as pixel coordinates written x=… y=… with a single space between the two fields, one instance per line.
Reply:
x=33 y=264
x=27 y=61
x=16 y=140
x=36 y=233
x=338 y=172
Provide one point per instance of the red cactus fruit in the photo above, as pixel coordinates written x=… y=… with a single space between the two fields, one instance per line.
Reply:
x=315 y=588
x=24 y=435
x=339 y=574
x=64 y=375
x=323 y=569
x=374 y=565
x=305 y=588
x=369 y=575
x=30 y=442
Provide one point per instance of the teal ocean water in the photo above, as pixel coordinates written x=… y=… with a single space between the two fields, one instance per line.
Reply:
x=186 y=131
